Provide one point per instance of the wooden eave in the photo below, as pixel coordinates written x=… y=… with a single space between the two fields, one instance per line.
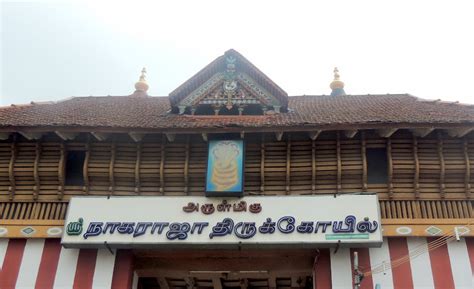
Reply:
x=236 y=129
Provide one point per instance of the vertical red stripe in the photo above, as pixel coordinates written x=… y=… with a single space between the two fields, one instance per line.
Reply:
x=470 y=251
x=441 y=267
x=364 y=266
x=48 y=264
x=11 y=263
x=123 y=270
x=402 y=277
x=85 y=269
x=322 y=270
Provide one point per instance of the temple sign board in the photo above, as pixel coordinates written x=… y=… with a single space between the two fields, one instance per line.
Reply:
x=129 y=222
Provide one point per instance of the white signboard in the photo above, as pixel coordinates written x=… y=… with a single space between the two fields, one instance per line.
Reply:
x=189 y=221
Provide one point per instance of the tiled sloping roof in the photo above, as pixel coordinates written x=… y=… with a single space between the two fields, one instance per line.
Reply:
x=152 y=113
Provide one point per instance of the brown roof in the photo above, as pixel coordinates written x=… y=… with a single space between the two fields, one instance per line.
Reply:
x=145 y=113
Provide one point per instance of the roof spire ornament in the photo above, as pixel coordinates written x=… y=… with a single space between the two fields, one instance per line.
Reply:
x=141 y=85
x=337 y=85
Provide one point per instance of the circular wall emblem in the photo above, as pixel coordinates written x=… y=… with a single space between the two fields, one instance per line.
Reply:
x=3 y=231
x=404 y=230
x=55 y=231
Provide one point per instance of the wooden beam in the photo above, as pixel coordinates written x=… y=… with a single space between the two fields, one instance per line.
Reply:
x=31 y=135
x=217 y=283
x=339 y=164
x=65 y=136
x=36 y=187
x=272 y=284
x=279 y=135
x=442 y=172
x=186 y=166
x=363 y=152
x=422 y=132
x=390 y=168
x=100 y=136
x=244 y=283
x=11 y=170
x=162 y=165
x=467 y=176
x=137 y=167
x=288 y=164
x=190 y=282
x=170 y=136
x=61 y=170
x=113 y=150
x=85 y=170
x=262 y=164
x=4 y=135
x=459 y=132
x=313 y=135
x=294 y=282
x=387 y=132
x=313 y=166
x=350 y=133
x=416 y=178
x=204 y=137
x=162 y=282
x=136 y=136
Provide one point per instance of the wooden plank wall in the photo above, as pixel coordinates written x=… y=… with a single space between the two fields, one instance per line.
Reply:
x=436 y=167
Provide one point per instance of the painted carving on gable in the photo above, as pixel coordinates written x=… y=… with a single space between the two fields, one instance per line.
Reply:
x=230 y=91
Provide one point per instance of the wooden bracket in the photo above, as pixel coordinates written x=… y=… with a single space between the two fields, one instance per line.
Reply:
x=65 y=136
x=100 y=136
x=31 y=135
x=313 y=135
x=459 y=132
x=350 y=133
x=422 y=132
x=386 y=133
x=170 y=136
x=136 y=136
x=279 y=135
x=4 y=135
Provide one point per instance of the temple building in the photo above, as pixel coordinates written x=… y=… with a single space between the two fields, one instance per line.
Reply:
x=229 y=183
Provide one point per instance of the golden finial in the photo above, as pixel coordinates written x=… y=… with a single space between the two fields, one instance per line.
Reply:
x=336 y=83
x=141 y=84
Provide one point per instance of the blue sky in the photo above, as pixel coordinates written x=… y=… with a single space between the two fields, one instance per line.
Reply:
x=52 y=50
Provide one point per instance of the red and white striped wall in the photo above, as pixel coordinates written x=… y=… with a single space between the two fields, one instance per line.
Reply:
x=448 y=267
x=44 y=264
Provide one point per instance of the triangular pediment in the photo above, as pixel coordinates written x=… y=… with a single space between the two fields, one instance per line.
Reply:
x=229 y=84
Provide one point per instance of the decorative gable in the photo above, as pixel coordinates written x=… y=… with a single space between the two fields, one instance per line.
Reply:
x=229 y=85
